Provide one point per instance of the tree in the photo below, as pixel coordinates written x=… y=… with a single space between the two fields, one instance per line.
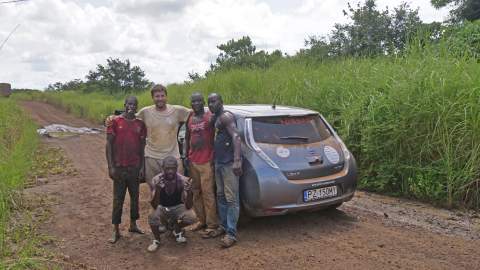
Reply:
x=373 y=32
x=367 y=35
x=73 y=85
x=463 y=40
x=235 y=51
x=464 y=9
x=194 y=76
x=242 y=53
x=404 y=24
x=318 y=49
x=118 y=76
x=57 y=87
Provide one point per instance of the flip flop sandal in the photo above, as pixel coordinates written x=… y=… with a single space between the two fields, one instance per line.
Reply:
x=212 y=233
x=136 y=230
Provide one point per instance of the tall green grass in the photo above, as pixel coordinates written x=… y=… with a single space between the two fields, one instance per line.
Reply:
x=412 y=122
x=18 y=141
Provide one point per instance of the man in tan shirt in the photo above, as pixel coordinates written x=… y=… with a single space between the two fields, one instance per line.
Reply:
x=162 y=121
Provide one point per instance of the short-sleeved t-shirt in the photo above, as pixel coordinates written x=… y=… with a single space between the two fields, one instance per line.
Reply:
x=201 y=139
x=128 y=135
x=162 y=128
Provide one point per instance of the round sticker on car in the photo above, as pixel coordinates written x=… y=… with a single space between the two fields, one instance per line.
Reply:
x=283 y=152
x=331 y=154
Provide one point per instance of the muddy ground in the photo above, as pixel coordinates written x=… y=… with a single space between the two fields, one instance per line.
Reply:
x=370 y=232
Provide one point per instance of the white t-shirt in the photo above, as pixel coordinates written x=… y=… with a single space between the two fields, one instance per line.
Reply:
x=162 y=128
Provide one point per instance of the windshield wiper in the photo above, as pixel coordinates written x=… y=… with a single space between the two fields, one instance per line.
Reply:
x=294 y=138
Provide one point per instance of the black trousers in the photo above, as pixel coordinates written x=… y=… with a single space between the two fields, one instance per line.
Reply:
x=125 y=178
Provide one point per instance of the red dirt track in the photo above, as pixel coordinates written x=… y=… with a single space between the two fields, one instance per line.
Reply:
x=356 y=236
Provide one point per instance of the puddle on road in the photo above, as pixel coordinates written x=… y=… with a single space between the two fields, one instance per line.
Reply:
x=64 y=131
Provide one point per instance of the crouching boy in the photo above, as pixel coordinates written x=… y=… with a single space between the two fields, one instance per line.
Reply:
x=171 y=198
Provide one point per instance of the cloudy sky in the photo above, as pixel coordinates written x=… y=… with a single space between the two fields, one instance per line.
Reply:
x=62 y=40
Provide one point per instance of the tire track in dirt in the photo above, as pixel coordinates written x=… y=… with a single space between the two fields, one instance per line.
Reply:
x=350 y=238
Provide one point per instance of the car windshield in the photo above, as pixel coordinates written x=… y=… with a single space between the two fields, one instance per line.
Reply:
x=289 y=130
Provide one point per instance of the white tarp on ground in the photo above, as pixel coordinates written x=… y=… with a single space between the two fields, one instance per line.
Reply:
x=57 y=128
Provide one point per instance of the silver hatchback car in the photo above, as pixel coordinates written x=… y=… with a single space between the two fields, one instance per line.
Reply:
x=293 y=161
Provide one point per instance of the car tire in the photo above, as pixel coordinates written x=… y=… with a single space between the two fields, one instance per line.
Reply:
x=243 y=218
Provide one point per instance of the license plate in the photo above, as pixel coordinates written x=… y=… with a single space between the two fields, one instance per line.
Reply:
x=319 y=193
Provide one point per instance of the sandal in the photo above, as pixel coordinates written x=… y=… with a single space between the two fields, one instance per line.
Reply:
x=136 y=230
x=212 y=233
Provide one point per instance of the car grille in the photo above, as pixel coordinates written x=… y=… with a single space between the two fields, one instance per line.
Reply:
x=314 y=172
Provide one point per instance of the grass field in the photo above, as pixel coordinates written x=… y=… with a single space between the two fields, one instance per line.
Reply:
x=18 y=142
x=412 y=122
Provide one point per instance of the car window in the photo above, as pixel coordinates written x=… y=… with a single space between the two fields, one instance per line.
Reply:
x=289 y=130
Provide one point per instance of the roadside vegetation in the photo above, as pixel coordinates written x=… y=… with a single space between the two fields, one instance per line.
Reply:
x=23 y=246
x=25 y=163
x=405 y=99
x=18 y=141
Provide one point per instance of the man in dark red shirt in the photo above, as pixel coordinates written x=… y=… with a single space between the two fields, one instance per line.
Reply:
x=199 y=138
x=125 y=155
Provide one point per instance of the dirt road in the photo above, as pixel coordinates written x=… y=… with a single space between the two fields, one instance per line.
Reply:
x=370 y=232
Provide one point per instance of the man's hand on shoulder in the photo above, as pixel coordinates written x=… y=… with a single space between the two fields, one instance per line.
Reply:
x=226 y=118
x=109 y=120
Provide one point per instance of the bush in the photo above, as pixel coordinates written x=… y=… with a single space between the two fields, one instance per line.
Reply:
x=464 y=40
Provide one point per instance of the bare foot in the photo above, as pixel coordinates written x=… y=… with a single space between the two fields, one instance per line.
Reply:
x=115 y=237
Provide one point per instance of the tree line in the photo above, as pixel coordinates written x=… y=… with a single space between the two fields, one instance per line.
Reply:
x=370 y=32
x=117 y=76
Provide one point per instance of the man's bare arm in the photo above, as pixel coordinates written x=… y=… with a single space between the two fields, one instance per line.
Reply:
x=154 y=198
x=186 y=142
x=142 y=159
x=187 y=195
x=154 y=192
x=229 y=122
x=140 y=115
x=109 y=154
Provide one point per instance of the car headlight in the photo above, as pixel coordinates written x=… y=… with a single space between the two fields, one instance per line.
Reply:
x=331 y=154
x=346 y=153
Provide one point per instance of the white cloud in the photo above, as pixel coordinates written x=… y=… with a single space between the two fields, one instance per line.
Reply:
x=61 y=40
